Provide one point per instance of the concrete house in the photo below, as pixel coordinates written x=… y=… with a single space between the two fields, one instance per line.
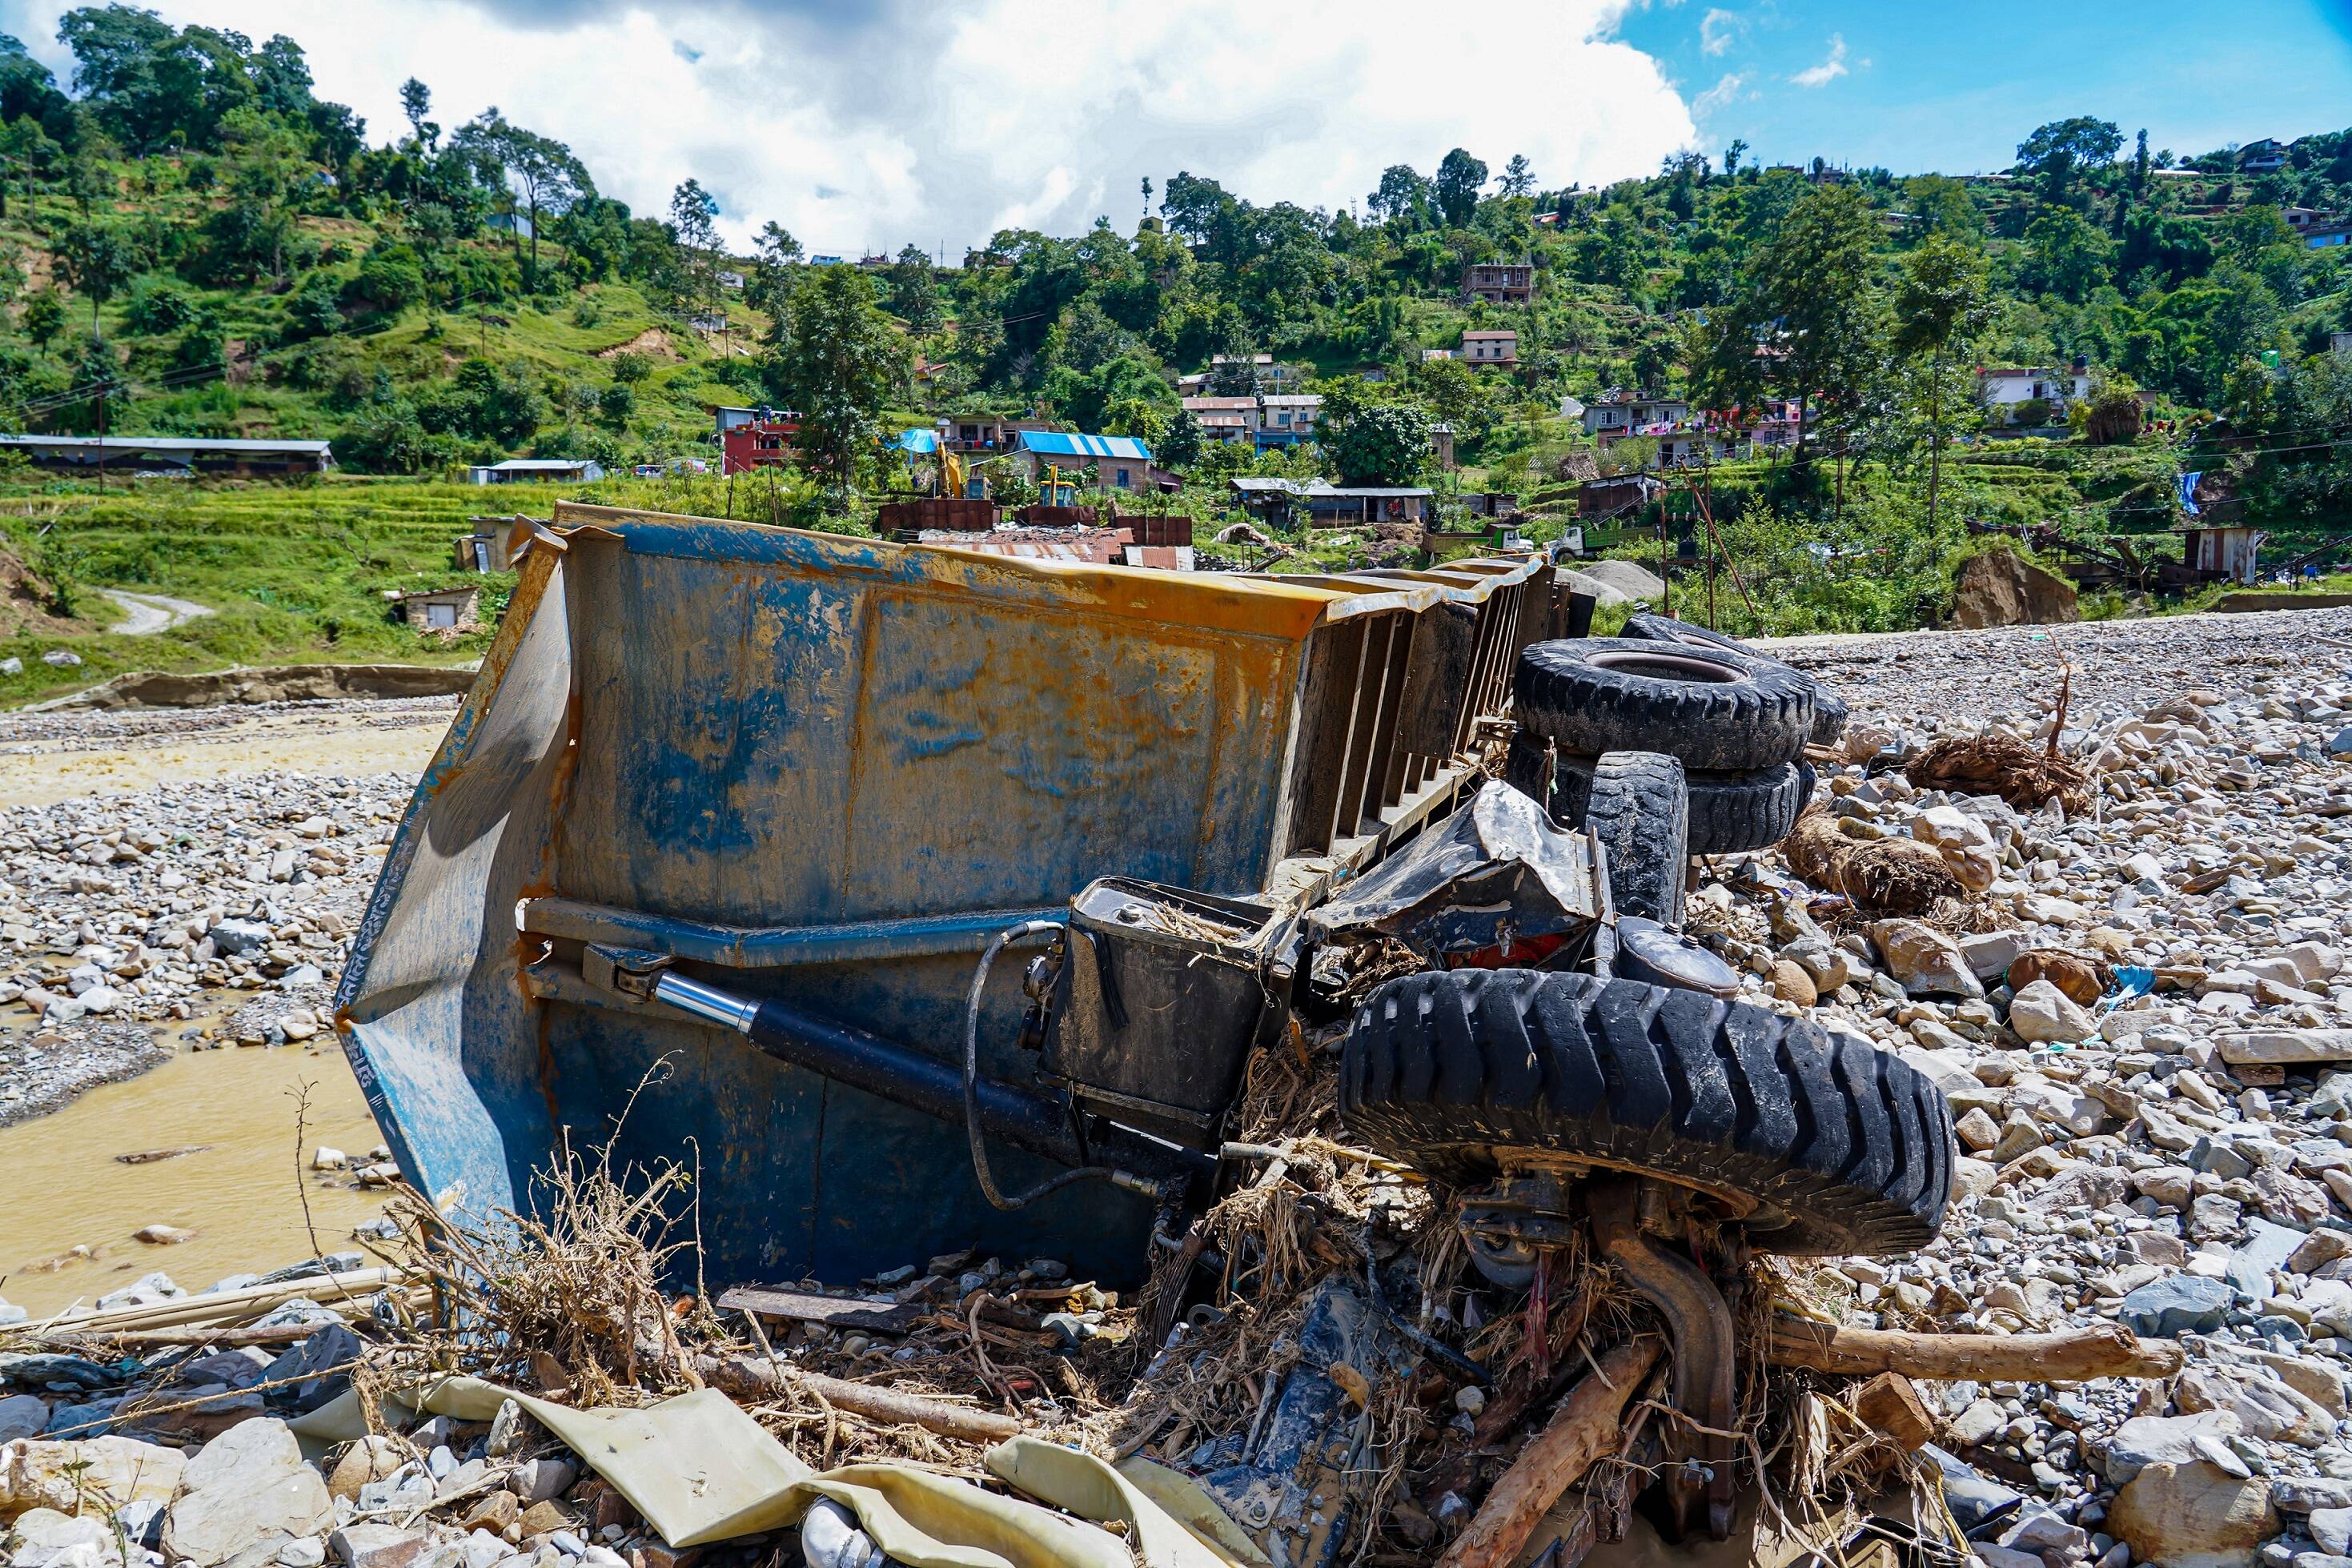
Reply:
x=1491 y=349
x=537 y=470
x=1286 y=419
x=447 y=611
x=1617 y=411
x=1498 y=283
x=2001 y=391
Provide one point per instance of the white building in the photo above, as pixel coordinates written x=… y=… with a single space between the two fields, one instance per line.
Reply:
x=2001 y=391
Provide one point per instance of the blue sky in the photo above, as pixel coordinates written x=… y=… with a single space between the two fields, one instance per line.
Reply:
x=1955 y=87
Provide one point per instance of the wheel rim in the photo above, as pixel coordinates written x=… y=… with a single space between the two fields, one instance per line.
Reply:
x=1664 y=666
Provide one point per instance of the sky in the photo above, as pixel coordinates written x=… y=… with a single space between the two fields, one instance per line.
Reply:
x=866 y=125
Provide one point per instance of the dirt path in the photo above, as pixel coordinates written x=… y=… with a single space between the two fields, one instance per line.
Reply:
x=148 y=614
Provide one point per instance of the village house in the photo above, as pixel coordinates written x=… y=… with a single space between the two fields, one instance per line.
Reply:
x=490 y=545
x=2001 y=392
x=1491 y=349
x=446 y=610
x=1334 y=506
x=1498 y=283
x=1286 y=419
x=2262 y=157
x=175 y=454
x=1225 y=418
x=1617 y=413
x=537 y=470
x=1120 y=463
x=984 y=432
x=763 y=438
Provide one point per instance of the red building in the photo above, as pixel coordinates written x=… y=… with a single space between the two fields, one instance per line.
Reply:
x=767 y=439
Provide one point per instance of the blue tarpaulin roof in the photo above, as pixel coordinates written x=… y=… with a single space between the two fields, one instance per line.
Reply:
x=923 y=441
x=1057 y=443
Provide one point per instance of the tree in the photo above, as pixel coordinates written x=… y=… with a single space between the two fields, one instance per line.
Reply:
x=1403 y=197
x=2065 y=255
x=841 y=361
x=775 y=264
x=1732 y=155
x=1180 y=444
x=1456 y=186
x=44 y=316
x=541 y=170
x=1370 y=443
x=97 y=259
x=694 y=219
x=2059 y=153
x=416 y=103
x=1807 y=320
x=914 y=290
x=1938 y=305
x=1518 y=176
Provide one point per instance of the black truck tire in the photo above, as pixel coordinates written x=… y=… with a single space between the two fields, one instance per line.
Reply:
x=1738 y=813
x=1710 y=707
x=1728 y=813
x=1843 y=1149
x=1830 y=712
x=1637 y=810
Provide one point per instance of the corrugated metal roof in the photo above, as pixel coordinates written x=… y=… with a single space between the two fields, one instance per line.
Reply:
x=534 y=465
x=165 y=444
x=1059 y=444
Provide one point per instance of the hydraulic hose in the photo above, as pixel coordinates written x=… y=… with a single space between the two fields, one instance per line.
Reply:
x=973 y=1133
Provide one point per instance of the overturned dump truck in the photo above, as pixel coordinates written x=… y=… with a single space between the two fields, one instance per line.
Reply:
x=924 y=897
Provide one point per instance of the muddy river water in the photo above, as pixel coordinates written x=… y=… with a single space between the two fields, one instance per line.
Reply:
x=240 y=1188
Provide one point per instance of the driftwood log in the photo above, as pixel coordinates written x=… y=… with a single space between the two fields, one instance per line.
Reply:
x=1881 y=876
x=2077 y=1355
x=1584 y=1429
x=750 y=1378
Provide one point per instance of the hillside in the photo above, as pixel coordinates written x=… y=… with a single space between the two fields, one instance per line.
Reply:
x=239 y=258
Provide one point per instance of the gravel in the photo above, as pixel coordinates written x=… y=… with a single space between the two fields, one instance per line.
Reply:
x=122 y=914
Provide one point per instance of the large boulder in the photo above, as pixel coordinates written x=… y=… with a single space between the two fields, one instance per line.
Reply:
x=1626 y=578
x=1999 y=589
x=49 y=1473
x=247 y=1487
x=2193 y=1516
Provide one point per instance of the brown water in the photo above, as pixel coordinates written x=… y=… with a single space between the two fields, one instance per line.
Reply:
x=61 y=1185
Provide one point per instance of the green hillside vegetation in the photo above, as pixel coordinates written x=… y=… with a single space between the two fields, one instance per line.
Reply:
x=193 y=243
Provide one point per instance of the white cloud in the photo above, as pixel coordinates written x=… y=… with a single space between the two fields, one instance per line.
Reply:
x=1722 y=95
x=893 y=122
x=1829 y=71
x=1718 y=30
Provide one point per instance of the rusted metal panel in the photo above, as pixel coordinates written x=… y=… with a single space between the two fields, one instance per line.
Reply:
x=829 y=767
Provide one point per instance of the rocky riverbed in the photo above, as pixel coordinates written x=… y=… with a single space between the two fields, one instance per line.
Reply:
x=123 y=915
x=2141 y=1012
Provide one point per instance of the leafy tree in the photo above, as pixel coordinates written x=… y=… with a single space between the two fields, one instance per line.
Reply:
x=416 y=103
x=1940 y=303
x=840 y=363
x=913 y=291
x=97 y=259
x=538 y=170
x=2059 y=154
x=630 y=367
x=313 y=309
x=1403 y=198
x=2065 y=255
x=618 y=404
x=1807 y=321
x=44 y=316
x=1732 y=155
x=1518 y=176
x=1179 y=445
x=1371 y=442
x=775 y=263
x=694 y=219
x=1456 y=186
